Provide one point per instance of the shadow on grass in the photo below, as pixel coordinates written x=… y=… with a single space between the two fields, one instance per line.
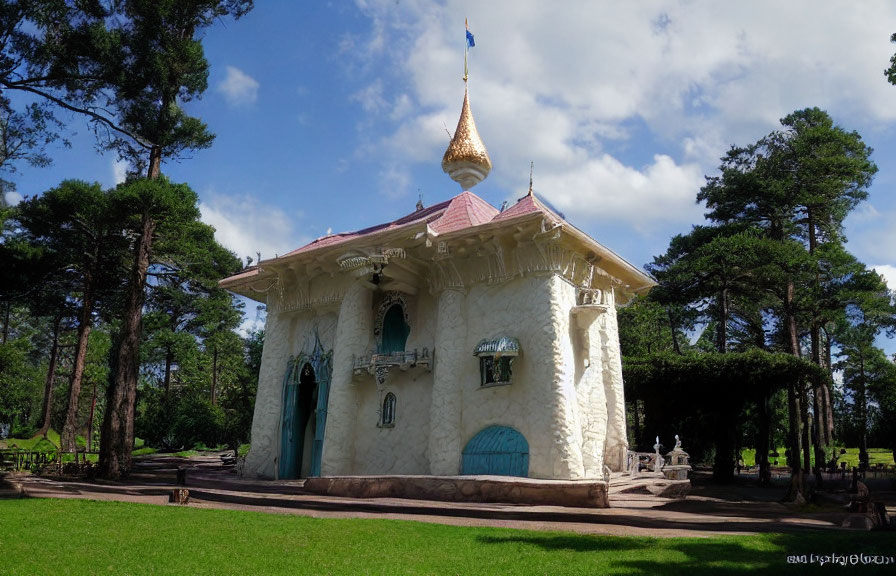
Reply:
x=729 y=555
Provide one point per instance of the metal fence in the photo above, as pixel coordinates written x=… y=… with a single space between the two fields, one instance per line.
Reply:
x=47 y=461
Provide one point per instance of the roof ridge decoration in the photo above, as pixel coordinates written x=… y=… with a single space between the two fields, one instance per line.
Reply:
x=466 y=160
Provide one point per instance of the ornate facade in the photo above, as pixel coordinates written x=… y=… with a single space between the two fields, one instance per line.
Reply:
x=458 y=339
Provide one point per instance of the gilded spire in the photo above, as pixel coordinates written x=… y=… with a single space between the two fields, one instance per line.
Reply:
x=466 y=160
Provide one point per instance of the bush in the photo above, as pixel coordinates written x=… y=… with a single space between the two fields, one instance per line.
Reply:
x=176 y=422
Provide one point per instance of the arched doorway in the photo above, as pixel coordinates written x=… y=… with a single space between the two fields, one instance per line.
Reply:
x=304 y=416
x=496 y=450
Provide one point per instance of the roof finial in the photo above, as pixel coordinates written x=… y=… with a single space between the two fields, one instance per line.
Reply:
x=531 y=170
x=469 y=44
x=419 y=200
x=466 y=160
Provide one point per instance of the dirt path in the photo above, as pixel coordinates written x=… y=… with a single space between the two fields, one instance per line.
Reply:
x=741 y=508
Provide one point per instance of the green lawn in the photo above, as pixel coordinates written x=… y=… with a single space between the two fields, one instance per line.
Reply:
x=875 y=456
x=51 y=444
x=39 y=536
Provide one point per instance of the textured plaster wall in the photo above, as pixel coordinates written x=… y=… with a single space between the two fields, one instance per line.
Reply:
x=611 y=361
x=353 y=332
x=446 y=409
x=566 y=397
x=286 y=335
x=532 y=404
x=590 y=391
x=401 y=449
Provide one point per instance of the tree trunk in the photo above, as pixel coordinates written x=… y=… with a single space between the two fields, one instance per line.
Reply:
x=793 y=337
x=797 y=487
x=763 y=439
x=90 y=420
x=214 y=375
x=672 y=327
x=818 y=435
x=804 y=417
x=117 y=440
x=51 y=376
x=862 y=407
x=794 y=443
x=169 y=359
x=155 y=163
x=722 y=329
x=828 y=394
x=829 y=409
x=819 y=402
x=85 y=323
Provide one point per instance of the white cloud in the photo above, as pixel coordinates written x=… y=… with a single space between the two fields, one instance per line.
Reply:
x=604 y=190
x=631 y=102
x=888 y=271
x=119 y=172
x=371 y=98
x=12 y=198
x=245 y=226
x=238 y=88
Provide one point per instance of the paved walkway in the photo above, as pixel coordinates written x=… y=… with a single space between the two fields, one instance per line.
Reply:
x=741 y=508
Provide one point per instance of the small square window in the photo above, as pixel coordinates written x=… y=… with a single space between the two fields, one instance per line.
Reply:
x=495 y=370
x=496 y=360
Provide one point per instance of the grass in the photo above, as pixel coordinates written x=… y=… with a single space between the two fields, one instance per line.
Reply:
x=51 y=444
x=875 y=456
x=118 y=538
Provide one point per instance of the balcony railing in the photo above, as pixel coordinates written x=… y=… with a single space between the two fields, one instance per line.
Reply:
x=401 y=360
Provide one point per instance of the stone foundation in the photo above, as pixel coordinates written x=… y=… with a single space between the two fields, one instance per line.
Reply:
x=503 y=489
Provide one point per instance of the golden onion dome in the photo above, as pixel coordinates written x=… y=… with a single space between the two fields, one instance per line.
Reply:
x=466 y=160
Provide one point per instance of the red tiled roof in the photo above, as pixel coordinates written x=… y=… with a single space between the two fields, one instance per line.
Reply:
x=464 y=210
x=427 y=214
x=527 y=205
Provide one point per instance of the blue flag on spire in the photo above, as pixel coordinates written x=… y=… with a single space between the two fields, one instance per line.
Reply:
x=470 y=41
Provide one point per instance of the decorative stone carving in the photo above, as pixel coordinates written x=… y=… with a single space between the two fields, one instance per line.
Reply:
x=678 y=462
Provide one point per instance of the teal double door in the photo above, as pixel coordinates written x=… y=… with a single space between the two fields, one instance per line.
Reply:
x=306 y=388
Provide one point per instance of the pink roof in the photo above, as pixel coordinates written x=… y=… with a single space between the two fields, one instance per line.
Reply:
x=527 y=205
x=463 y=211
x=466 y=210
x=427 y=214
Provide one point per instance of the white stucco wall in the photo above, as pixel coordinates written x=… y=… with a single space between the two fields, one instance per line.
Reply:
x=611 y=359
x=566 y=396
x=401 y=449
x=353 y=331
x=535 y=310
x=286 y=335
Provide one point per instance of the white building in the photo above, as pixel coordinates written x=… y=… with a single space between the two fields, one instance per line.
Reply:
x=458 y=339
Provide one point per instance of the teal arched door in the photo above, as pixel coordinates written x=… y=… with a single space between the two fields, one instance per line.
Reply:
x=306 y=389
x=496 y=450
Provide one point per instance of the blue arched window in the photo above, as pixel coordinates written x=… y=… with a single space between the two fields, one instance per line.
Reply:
x=395 y=330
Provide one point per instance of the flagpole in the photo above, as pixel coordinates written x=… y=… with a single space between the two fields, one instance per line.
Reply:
x=466 y=49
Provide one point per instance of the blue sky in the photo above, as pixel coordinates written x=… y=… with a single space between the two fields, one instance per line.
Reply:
x=334 y=116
